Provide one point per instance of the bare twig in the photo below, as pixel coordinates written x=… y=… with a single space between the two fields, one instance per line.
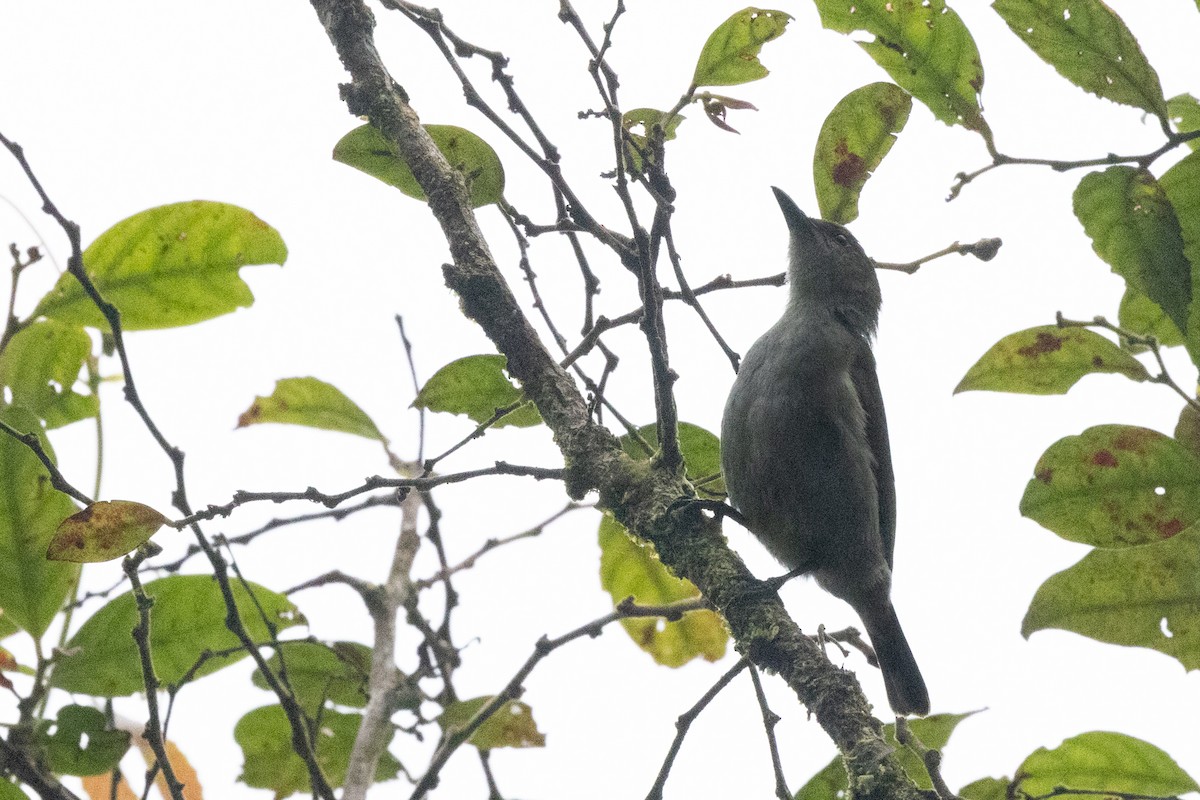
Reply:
x=984 y=250
x=454 y=739
x=684 y=723
x=1150 y=342
x=770 y=720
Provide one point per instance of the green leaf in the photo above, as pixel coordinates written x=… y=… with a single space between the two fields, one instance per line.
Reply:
x=1187 y=428
x=32 y=589
x=647 y=119
x=320 y=673
x=1147 y=596
x=855 y=137
x=1185 y=115
x=41 y=365
x=1134 y=228
x=269 y=762
x=1047 y=360
x=366 y=149
x=926 y=49
x=1181 y=185
x=934 y=731
x=1142 y=315
x=476 y=386
x=511 y=726
x=730 y=56
x=313 y=403
x=1115 y=486
x=169 y=266
x=1090 y=46
x=103 y=531
x=1101 y=762
x=701 y=454
x=187 y=619
x=65 y=750
x=986 y=789
x=630 y=567
x=9 y=791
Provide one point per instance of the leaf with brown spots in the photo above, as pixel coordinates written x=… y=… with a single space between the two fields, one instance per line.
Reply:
x=1115 y=486
x=1147 y=596
x=103 y=531
x=925 y=48
x=1047 y=360
x=854 y=138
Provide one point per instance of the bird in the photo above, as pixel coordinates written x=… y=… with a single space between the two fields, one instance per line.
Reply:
x=804 y=441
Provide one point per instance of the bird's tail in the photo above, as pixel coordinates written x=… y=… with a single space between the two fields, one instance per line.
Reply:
x=905 y=687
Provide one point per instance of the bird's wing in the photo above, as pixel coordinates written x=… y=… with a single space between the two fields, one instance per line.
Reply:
x=866 y=383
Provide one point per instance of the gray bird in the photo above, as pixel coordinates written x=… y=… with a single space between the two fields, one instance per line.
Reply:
x=804 y=442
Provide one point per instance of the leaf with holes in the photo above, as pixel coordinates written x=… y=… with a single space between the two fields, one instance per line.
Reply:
x=1134 y=228
x=65 y=747
x=366 y=149
x=1090 y=46
x=1147 y=596
x=168 y=266
x=730 y=56
x=270 y=761
x=631 y=568
x=1047 y=360
x=1185 y=116
x=1115 y=486
x=854 y=138
x=926 y=49
x=511 y=725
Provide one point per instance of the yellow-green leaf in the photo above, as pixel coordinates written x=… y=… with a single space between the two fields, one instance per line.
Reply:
x=926 y=49
x=854 y=138
x=105 y=530
x=169 y=266
x=1147 y=596
x=32 y=589
x=1047 y=360
x=511 y=726
x=1115 y=486
x=700 y=448
x=629 y=567
x=730 y=56
x=366 y=149
x=933 y=731
x=1099 y=763
x=313 y=403
x=477 y=386
x=41 y=365
x=1139 y=314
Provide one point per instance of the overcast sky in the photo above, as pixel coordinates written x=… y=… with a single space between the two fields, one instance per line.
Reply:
x=123 y=106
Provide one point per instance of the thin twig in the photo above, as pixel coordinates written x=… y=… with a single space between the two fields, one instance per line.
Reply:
x=770 y=720
x=513 y=689
x=1163 y=377
x=684 y=723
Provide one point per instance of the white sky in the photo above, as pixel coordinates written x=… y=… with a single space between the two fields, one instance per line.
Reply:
x=128 y=105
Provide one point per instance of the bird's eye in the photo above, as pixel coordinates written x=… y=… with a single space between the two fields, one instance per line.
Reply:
x=841 y=239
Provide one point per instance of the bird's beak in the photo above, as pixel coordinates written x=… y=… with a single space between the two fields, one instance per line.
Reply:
x=797 y=221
